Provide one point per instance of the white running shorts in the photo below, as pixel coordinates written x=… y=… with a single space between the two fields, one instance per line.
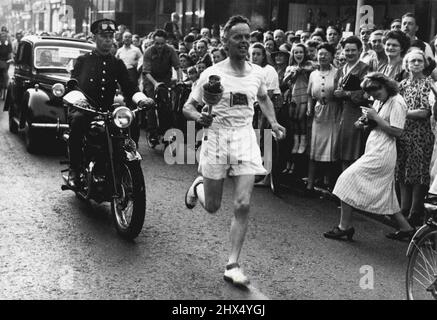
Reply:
x=230 y=152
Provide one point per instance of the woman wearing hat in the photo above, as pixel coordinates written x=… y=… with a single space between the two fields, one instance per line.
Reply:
x=280 y=59
x=280 y=62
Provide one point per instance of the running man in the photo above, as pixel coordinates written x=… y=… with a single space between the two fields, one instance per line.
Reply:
x=230 y=137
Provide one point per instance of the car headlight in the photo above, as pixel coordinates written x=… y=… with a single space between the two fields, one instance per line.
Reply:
x=123 y=117
x=58 y=90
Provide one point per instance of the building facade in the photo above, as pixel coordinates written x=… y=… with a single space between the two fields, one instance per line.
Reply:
x=144 y=16
x=304 y=14
x=39 y=16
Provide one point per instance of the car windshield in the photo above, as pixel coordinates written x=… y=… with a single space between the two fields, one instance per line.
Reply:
x=57 y=57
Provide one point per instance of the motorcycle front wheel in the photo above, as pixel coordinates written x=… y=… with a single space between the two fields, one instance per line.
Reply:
x=129 y=207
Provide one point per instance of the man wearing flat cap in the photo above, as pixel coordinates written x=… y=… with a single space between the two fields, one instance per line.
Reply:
x=99 y=74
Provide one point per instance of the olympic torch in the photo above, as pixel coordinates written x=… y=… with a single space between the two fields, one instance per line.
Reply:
x=212 y=94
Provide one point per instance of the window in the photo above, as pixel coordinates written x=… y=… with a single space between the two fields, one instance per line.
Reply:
x=57 y=57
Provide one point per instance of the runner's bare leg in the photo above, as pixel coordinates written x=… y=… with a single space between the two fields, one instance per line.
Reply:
x=243 y=191
x=209 y=194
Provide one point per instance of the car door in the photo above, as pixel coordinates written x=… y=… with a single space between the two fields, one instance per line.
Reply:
x=22 y=75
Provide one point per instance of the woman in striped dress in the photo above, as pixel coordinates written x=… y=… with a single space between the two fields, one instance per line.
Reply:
x=368 y=184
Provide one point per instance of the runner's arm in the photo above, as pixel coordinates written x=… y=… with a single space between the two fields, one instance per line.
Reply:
x=191 y=113
x=190 y=109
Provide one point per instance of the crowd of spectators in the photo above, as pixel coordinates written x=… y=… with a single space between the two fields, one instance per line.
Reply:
x=315 y=80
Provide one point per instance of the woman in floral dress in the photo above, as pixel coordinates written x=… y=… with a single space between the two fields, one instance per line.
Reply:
x=416 y=144
x=326 y=113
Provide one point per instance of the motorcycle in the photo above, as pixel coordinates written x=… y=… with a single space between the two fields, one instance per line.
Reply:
x=111 y=166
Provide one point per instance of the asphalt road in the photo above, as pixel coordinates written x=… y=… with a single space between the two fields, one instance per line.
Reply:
x=53 y=246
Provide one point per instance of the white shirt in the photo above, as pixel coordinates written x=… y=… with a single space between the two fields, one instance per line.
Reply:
x=235 y=109
x=130 y=56
x=272 y=79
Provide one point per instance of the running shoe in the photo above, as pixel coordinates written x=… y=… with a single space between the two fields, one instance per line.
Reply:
x=191 y=195
x=235 y=275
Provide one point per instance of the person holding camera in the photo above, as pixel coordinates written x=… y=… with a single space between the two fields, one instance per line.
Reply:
x=368 y=184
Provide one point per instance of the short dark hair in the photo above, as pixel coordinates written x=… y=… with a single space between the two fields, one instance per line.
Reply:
x=312 y=43
x=401 y=37
x=327 y=47
x=204 y=41
x=186 y=56
x=221 y=50
x=259 y=45
x=409 y=15
x=320 y=34
x=352 y=40
x=418 y=44
x=159 y=33
x=189 y=38
x=234 y=20
x=375 y=79
x=334 y=28
x=395 y=20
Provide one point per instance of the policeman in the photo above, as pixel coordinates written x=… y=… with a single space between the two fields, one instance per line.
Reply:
x=98 y=74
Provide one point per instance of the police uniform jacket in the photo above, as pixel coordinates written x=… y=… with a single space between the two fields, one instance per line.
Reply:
x=98 y=77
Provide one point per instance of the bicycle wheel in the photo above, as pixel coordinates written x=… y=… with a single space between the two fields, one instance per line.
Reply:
x=422 y=268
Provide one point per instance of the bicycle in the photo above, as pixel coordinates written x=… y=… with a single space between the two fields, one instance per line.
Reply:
x=421 y=277
x=179 y=96
x=163 y=116
x=272 y=159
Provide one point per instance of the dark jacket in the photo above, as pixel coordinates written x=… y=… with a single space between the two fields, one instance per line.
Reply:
x=99 y=76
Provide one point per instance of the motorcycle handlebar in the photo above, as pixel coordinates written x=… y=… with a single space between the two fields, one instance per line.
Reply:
x=103 y=113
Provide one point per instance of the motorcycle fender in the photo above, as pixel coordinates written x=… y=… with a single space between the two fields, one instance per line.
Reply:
x=133 y=156
x=416 y=237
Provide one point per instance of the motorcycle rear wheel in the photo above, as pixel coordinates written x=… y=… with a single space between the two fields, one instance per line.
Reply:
x=129 y=210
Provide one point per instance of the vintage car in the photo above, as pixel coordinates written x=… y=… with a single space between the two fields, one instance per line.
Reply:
x=34 y=95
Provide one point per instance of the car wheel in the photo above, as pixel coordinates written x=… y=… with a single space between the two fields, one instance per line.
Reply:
x=31 y=139
x=13 y=126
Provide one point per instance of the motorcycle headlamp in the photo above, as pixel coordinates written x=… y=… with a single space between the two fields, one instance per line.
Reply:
x=123 y=117
x=58 y=90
